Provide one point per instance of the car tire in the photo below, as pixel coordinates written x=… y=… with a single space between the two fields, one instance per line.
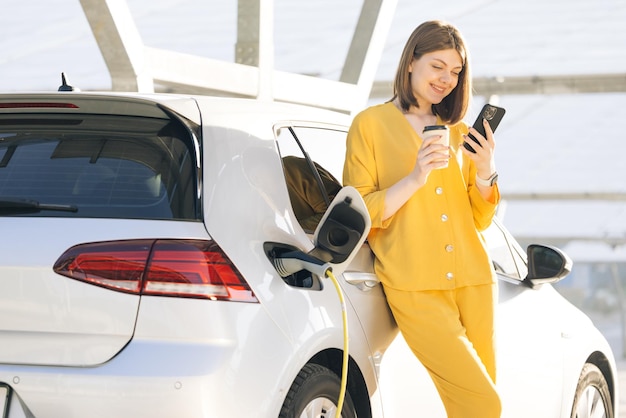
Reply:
x=592 y=393
x=314 y=393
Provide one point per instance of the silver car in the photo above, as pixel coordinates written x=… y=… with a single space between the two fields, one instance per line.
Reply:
x=170 y=255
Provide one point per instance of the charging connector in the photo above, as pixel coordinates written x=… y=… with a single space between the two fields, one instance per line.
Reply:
x=294 y=261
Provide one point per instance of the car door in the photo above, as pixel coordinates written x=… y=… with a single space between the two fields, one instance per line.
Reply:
x=529 y=334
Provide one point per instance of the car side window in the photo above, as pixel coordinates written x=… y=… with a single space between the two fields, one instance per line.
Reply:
x=325 y=145
x=313 y=163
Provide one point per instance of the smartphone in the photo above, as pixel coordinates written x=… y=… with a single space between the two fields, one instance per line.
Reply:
x=493 y=114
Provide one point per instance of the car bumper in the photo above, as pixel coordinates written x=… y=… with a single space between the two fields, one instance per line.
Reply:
x=201 y=371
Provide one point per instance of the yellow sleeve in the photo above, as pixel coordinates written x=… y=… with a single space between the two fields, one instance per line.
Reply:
x=483 y=210
x=360 y=168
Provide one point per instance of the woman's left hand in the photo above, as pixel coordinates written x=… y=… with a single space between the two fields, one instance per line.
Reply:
x=484 y=156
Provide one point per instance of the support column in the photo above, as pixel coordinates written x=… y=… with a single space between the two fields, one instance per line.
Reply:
x=255 y=41
x=367 y=45
x=120 y=44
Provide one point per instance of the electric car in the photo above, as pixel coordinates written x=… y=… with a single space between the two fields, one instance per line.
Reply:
x=173 y=255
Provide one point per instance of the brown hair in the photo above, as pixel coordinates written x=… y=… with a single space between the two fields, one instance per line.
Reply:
x=429 y=37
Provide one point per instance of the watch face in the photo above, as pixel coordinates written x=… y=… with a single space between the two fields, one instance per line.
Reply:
x=494 y=179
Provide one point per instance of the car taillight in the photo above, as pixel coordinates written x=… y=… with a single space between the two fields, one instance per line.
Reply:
x=181 y=268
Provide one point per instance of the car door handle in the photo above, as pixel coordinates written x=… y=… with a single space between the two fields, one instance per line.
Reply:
x=363 y=281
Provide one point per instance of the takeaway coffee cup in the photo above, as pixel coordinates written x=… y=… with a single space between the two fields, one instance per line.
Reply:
x=439 y=130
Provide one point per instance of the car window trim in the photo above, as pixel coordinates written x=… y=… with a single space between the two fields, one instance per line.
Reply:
x=309 y=161
x=513 y=249
x=196 y=146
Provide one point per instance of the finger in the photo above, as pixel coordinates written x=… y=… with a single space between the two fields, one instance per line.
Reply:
x=476 y=135
x=482 y=141
x=431 y=140
x=488 y=131
x=434 y=142
x=479 y=138
x=434 y=153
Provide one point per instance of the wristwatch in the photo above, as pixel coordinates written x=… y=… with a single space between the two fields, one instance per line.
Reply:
x=493 y=179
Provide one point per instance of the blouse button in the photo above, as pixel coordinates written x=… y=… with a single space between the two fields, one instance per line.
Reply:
x=449 y=248
x=444 y=217
x=439 y=190
x=449 y=275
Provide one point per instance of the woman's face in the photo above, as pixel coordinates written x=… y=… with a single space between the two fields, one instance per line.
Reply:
x=434 y=75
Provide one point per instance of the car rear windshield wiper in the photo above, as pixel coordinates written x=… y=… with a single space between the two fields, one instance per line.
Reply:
x=19 y=206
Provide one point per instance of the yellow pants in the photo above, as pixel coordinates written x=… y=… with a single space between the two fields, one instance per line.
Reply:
x=452 y=333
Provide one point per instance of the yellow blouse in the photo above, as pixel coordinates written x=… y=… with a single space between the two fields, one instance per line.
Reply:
x=433 y=241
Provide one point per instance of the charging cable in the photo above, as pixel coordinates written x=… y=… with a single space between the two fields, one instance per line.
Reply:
x=344 y=367
x=294 y=261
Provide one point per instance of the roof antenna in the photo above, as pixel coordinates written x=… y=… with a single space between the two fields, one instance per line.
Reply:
x=66 y=87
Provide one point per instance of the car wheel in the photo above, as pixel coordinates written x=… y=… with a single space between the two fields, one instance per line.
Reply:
x=592 y=398
x=314 y=394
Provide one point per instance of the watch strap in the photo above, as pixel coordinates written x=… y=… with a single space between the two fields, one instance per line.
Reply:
x=488 y=182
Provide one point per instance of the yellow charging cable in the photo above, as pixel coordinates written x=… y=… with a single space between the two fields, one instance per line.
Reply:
x=344 y=368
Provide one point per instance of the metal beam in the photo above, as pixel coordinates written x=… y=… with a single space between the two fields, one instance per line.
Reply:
x=561 y=241
x=248 y=32
x=178 y=72
x=361 y=39
x=266 y=50
x=120 y=44
x=555 y=84
x=367 y=45
x=255 y=41
x=587 y=196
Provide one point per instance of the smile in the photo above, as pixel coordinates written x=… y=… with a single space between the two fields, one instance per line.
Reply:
x=437 y=89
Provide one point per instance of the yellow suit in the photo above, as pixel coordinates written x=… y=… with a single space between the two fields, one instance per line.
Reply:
x=431 y=257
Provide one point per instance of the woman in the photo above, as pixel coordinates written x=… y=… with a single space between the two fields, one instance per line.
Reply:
x=428 y=203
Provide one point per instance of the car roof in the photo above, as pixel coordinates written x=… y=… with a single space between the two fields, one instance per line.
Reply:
x=221 y=111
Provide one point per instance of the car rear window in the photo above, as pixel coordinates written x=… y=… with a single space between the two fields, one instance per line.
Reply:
x=97 y=166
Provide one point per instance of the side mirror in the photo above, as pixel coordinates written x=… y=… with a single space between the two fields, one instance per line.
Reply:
x=340 y=234
x=546 y=265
